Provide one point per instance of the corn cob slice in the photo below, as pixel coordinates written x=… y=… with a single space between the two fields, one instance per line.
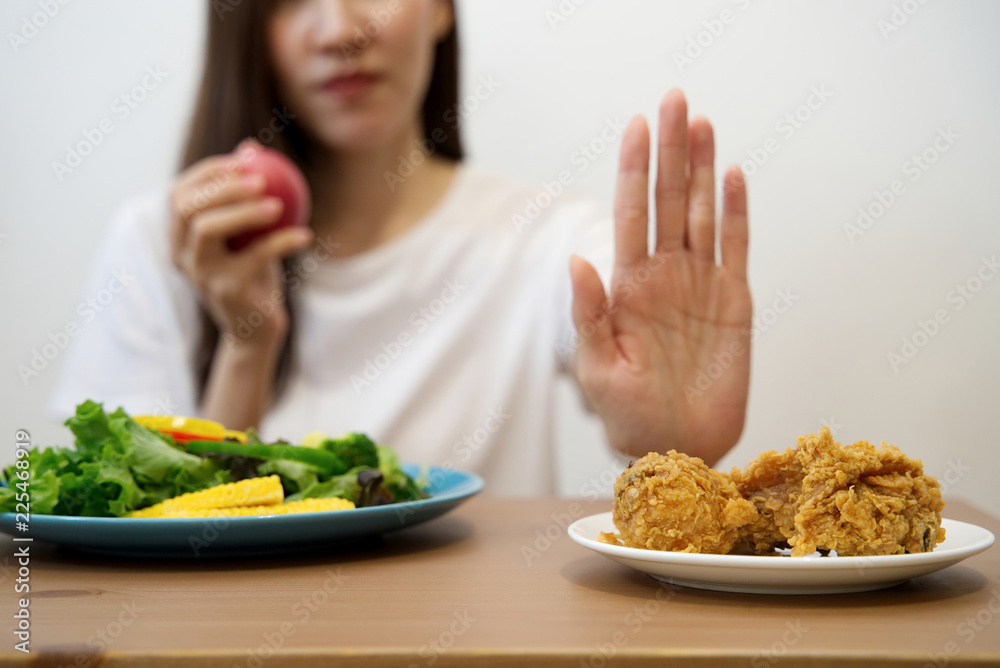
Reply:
x=292 y=507
x=249 y=492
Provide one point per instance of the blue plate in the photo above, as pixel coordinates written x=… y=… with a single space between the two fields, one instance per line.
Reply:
x=244 y=536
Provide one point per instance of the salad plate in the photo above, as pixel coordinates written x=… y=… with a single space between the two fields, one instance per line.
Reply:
x=250 y=535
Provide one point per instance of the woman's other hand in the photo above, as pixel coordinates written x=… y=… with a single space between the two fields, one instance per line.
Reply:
x=665 y=359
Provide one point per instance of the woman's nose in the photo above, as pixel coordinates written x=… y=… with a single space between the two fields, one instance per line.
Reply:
x=336 y=23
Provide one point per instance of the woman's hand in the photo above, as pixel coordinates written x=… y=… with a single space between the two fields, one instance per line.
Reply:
x=242 y=291
x=665 y=359
x=211 y=201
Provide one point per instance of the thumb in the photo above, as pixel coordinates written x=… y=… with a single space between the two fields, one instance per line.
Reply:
x=590 y=313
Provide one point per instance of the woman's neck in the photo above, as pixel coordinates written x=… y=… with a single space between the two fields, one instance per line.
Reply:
x=362 y=200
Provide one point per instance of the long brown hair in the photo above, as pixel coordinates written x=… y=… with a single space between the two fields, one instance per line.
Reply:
x=238 y=98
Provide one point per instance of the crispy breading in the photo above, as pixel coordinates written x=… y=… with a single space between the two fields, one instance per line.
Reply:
x=856 y=499
x=773 y=483
x=675 y=502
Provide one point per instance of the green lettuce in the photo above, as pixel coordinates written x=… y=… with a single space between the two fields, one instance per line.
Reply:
x=116 y=466
x=295 y=476
x=344 y=486
x=395 y=480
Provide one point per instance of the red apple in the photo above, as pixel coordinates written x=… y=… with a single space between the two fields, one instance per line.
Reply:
x=283 y=180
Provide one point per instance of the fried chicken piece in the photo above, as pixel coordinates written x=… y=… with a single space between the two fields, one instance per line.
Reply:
x=864 y=500
x=858 y=499
x=676 y=503
x=772 y=483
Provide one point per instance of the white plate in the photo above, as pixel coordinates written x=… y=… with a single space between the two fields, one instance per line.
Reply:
x=784 y=575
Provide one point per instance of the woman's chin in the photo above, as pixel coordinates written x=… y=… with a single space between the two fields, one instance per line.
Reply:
x=359 y=136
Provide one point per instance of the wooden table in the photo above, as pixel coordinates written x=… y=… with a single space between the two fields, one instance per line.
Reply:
x=495 y=583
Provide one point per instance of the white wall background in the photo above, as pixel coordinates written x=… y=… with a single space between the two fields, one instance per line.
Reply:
x=824 y=360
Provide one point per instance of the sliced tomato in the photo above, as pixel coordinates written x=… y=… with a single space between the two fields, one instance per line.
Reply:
x=185 y=436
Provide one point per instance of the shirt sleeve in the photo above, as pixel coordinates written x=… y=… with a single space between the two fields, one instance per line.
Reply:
x=137 y=323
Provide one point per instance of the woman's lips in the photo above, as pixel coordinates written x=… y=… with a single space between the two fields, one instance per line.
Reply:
x=351 y=86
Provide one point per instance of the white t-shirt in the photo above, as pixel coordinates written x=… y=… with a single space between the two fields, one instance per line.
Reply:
x=444 y=343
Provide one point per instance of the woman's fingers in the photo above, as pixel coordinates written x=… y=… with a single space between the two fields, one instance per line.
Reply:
x=632 y=196
x=210 y=229
x=671 y=172
x=701 y=192
x=208 y=168
x=240 y=188
x=202 y=181
x=214 y=181
x=281 y=242
x=684 y=193
x=735 y=233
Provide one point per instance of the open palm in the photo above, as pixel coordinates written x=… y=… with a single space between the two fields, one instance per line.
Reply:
x=665 y=358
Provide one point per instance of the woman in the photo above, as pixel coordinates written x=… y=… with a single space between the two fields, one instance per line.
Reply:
x=418 y=306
